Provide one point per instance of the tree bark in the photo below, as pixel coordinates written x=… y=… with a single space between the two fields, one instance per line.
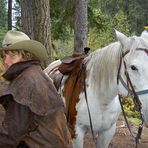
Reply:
x=9 y=14
x=81 y=25
x=36 y=21
x=41 y=21
x=27 y=17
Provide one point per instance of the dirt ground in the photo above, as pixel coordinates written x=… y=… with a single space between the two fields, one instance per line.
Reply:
x=122 y=138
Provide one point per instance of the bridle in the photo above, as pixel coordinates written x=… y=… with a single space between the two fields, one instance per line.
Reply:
x=132 y=93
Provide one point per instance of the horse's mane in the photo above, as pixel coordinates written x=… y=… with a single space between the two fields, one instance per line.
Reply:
x=101 y=64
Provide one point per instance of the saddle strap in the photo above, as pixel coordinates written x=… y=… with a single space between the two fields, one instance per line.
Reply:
x=89 y=114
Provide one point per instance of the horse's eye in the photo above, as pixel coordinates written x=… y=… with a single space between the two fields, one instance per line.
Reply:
x=133 y=67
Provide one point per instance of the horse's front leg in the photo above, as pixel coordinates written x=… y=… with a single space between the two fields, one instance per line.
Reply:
x=104 y=138
x=79 y=140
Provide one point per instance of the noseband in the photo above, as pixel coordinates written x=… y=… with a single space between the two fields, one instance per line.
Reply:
x=132 y=93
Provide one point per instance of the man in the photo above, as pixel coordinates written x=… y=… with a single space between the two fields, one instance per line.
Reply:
x=34 y=115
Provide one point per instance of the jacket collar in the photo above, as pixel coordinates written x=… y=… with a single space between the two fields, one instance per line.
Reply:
x=17 y=68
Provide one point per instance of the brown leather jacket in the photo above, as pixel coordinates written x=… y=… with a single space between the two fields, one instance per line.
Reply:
x=34 y=111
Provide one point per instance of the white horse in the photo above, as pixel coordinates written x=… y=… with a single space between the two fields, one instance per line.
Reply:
x=102 y=67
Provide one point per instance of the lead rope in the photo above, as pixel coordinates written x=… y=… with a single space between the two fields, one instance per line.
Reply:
x=138 y=136
x=90 y=119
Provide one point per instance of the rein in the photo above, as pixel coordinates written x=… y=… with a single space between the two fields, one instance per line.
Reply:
x=135 y=136
x=89 y=114
x=135 y=95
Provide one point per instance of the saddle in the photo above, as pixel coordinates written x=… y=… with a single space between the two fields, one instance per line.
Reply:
x=74 y=85
x=70 y=63
x=67 y=66
x=73 y=62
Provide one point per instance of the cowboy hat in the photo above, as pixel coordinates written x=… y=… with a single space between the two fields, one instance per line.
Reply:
x=16 y=40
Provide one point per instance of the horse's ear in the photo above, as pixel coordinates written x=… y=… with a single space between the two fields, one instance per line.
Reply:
x=144 y=35
x=123 y=39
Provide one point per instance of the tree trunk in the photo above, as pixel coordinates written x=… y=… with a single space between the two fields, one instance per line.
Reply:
x=36 y=21
x=81 y=25
x=9 y=14
x=41 y=17
x=27 y=17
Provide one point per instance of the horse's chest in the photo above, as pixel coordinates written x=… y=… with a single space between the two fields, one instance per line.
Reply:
x=102 y=116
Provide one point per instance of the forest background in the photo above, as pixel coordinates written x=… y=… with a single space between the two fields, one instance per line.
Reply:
x=127 y=16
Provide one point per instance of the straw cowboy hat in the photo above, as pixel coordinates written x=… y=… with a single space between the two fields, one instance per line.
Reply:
x=16 y=40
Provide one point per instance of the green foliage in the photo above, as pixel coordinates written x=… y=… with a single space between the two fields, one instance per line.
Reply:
x=3 y=13
x=130 y=110
x=120 y=22
x=98 y=21
x=3 y=19
x=138 y=15
x=127 y=16
x=62 y=49
x=3 y=30
x=62 y=19
x=100 y=39
x=136 y=12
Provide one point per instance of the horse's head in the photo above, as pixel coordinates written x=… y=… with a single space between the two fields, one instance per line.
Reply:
x=135 y=65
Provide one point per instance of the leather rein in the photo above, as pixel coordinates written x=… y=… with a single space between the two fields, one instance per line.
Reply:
x=132 y=93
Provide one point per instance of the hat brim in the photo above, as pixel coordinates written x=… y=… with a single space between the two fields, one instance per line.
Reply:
x=32 y=46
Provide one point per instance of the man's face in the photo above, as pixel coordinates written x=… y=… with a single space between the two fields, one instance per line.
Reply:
x=11 y=57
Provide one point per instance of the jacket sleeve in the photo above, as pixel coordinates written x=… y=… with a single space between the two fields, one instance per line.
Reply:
x=17 y=123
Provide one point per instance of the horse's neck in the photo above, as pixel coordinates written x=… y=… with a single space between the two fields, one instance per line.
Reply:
x=102 y=69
